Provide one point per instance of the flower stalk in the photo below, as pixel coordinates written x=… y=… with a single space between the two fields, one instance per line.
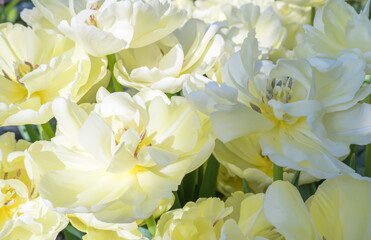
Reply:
x=111 y=64
x=277 y=172
x=151 y=225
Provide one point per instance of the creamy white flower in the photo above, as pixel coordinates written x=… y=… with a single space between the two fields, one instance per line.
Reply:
x=302 y=111
x=261 y=16
x=98 y=230
x=123 y=158
x=23 y=214
x=106 y=27
x=338 y=210
x=292 y=17
x=166 y=64
x=337 y=27
x=34 y=73
x=32 y=220
x=203 y=219
x=247 y=221
x=239 y=218
x=240 y=158
x=306 y=3
x=212 y=11
x=244 y=160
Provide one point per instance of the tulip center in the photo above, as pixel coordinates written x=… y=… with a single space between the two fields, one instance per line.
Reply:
x=21 y=68
x=279 y=90
x=143 y=142
x=10 y=201
x=92 y=21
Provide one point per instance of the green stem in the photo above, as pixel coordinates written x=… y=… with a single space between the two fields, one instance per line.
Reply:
x=352 y=161
x=368 y=154
x=208 y=186
x=111 y=64
x=151 y=225
x=277 y=172
x=295 y=179
x=313 y=14
x=246 y=188
x=46 y=131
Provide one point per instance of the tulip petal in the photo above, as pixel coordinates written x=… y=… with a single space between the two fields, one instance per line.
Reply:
x=340 y=208
x=232 y=122
x=284 y=208
x=97 y=137
x=345 y=127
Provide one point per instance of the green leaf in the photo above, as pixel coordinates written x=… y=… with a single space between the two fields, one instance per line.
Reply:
x=71 y=233
x=176 y=202
x=295 y=179
x=189 y=185
x=246 y=188
x=305 y=191
x=208 y=186
x=151 y=225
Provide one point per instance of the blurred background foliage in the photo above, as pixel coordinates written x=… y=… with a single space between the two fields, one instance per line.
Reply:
x=10 y=10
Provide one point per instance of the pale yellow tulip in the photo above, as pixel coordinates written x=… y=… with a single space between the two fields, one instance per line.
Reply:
x=337 y=27
x=106 y=27
x=121 y=159
x=239 y=218
x=23 y=215
x=302 y=112
x=165 y=65
x=338 y=210
x=32 y=75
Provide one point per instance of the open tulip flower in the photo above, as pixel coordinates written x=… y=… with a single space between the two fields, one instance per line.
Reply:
x=185 y=120
x=241 y=217
x=337 y=27
x=23 y=213
x=301 y=110
x=93 y=24
x=340 y=209
x=122 y=158
x=194 y=48
x=32 y=75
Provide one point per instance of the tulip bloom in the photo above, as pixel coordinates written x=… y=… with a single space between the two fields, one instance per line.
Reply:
x=301 y=112
x=122 y=158
x=108 y=27
x=32 y=75
x=338 y=210
x=23 y=215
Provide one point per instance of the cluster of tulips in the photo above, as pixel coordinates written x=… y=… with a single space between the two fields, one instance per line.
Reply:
x=186 y=120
